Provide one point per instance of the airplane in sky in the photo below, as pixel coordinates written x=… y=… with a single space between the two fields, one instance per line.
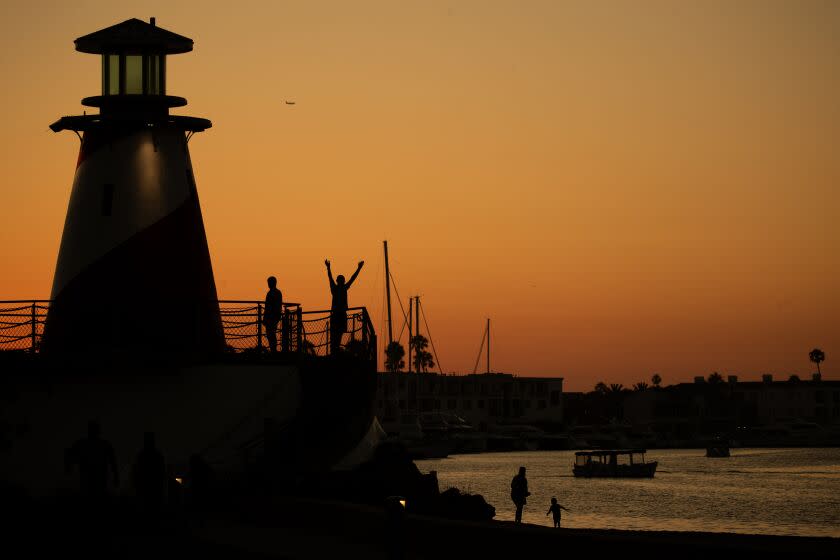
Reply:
x=290 y=102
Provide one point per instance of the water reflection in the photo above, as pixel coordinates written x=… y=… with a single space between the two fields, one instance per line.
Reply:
x=768 y=491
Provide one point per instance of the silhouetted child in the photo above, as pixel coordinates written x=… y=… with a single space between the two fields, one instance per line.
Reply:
x=555 y=509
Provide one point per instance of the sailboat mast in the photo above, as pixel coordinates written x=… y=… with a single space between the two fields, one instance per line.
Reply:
x=488 y=345
x=388 y=293
x=410 y=299
x=417 y=315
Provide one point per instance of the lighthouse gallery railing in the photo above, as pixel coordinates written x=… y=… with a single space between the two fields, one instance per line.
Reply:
x=22 y=326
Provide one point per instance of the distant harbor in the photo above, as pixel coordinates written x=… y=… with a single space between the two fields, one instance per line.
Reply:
x=438 y=415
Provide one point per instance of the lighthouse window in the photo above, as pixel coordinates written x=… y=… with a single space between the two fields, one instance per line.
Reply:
x=134 y=74
x=110 y=74
x=154 y=74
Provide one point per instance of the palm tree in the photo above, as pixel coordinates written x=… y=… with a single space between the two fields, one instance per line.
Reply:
x=616 y=387
x=640 y=386
x=656 y=380
x=715 y=377
x=394 y=354
x=422 y=358
x=601 y=387
x=817 y=356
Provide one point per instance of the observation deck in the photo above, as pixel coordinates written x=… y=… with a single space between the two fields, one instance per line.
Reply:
x=299 y=333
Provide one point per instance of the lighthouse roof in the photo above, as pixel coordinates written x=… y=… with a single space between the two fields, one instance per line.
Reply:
x=134 y=35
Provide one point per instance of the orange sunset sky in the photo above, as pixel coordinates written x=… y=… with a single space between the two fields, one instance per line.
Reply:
x=623 y=188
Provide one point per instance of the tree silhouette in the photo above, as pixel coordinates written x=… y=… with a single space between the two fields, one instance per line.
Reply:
x=394 y=354
x=601 y=387
x=640 y=386
x=422 y=358
x=817 y=356
x=656 y=380
x=616 y=387
x=793 y=378
x=715 y=377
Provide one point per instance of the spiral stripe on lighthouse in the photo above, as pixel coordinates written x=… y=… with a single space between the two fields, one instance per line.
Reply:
x=133 y=268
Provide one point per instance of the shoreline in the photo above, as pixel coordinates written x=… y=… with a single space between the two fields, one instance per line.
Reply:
x=294 y=527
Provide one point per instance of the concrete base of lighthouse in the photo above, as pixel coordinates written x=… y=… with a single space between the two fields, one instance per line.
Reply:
x=249 y=421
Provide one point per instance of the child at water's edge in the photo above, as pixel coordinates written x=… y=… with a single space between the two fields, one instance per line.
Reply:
x=555 y=509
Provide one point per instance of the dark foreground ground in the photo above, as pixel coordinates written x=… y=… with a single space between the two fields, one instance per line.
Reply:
x=300 y=528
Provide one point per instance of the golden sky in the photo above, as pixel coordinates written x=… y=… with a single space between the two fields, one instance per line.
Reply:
x=623 y=188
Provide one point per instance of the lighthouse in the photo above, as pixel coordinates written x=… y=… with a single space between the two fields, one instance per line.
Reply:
x=133 y=273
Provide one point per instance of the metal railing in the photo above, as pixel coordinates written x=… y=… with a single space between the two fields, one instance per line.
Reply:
x=245 y=331
x=22 y=324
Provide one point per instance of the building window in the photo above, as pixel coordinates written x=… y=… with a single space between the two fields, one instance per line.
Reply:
x=527 y=403
x=541 y=403
x=402 y=404
x=555 y=398
x=467 y=404
x=480 y=403
x=451 y=404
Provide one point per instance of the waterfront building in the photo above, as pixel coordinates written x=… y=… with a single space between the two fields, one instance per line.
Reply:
x=792 y=410
x=484 y=400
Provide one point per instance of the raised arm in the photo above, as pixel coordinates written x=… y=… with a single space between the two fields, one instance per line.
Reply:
x=358 y=269
x=329 y=273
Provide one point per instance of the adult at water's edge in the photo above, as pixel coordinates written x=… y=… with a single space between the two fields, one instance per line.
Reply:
x=338 y=310
x=273 y=312
x=518 y=492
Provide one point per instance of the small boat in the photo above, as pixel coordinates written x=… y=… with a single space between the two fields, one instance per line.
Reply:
x=717 y=450
x=717 y=447
x=613 y=463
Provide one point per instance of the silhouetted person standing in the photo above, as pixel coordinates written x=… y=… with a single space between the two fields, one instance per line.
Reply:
x=94 y=457
x=518 y=492
x=272 y=313
x=338 y=310
x=150 y=478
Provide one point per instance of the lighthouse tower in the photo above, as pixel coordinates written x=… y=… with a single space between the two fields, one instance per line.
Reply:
x=133 y=271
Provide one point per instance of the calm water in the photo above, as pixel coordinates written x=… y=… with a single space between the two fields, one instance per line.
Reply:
x=772 y=491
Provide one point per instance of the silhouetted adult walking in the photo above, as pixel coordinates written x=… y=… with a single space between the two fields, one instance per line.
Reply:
x=518 y=492
x=272 y=313
x=338 y=310
x=94 y=457
x=150 y=478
